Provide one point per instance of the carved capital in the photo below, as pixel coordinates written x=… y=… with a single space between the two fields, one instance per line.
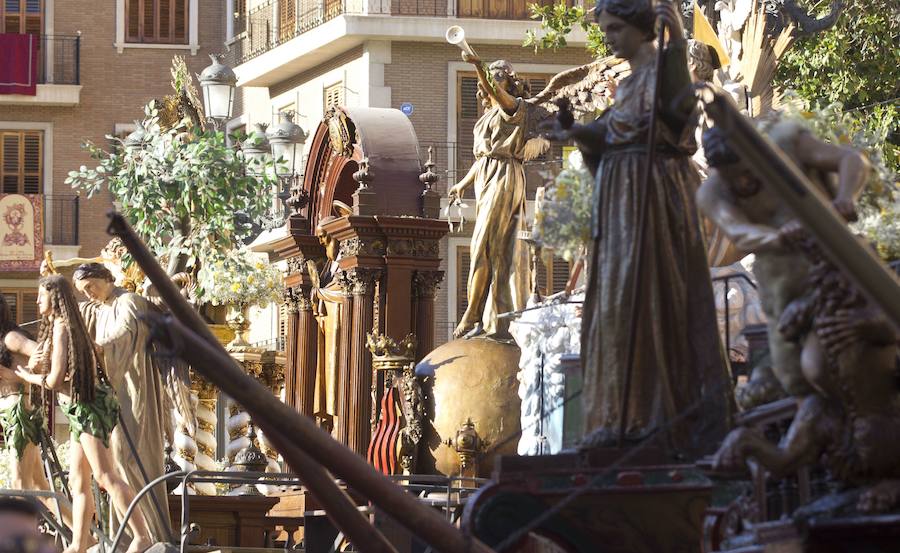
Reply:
x=345 y=282
x=296 y=264
x=363 y=280
x=426 y=283
x=290 y=297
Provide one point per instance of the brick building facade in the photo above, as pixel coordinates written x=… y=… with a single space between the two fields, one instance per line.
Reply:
x=98 y=68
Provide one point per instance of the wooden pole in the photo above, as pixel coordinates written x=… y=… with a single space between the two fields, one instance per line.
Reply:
x=285 y=426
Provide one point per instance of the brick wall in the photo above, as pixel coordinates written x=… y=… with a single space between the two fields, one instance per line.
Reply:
x=115 y=88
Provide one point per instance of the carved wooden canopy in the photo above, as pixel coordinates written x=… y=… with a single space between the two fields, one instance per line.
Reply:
x=345 y=137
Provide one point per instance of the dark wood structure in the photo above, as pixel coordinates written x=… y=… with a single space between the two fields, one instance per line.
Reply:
x=388 y=264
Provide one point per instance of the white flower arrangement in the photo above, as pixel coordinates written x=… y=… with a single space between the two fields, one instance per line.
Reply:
x=563 y=222
x=240 y=277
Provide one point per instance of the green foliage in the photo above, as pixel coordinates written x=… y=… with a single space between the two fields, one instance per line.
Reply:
x=181 y=191
x=564 y=220
x=557 y=21
x=856 y=62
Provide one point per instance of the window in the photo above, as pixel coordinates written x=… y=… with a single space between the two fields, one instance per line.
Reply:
x=21 y=162
x=22 y=16
x=156 y=21
x=334 y=95
x=469 y=109
x=22 y=304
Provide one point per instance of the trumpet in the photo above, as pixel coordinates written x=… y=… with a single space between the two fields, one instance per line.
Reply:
x=457 y=36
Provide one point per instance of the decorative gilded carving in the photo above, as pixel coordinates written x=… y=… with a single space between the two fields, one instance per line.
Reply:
x=339 y=134
x=397 y=361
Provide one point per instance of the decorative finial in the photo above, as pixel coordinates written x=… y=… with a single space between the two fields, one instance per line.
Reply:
x=429 y=178
x=363 y=176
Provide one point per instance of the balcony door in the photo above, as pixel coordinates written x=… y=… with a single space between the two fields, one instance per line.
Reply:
x=22 y=16
x=21 y=162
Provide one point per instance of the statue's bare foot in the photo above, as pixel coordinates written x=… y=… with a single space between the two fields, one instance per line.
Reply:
x=881 y=497
x=139 y=545
x=462 y=329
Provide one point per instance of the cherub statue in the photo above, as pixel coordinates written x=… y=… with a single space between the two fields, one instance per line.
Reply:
x=851 y=420
x=678 y=360
x=756 y=222
x=68 y=365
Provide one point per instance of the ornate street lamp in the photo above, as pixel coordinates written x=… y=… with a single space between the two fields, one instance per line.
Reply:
x=287 y=140
x=218 y=82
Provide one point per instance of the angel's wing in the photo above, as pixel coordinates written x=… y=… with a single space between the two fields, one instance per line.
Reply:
x=588 y=88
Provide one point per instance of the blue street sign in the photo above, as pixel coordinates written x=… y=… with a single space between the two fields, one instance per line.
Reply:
x=406 y=108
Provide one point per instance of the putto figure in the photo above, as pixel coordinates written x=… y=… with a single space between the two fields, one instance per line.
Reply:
x=68 y=364
x=499 y=272
x=678 y=358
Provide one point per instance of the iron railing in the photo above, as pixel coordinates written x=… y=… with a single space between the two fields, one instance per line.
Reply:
x=61 y=220
x=453 y=160
x=59 y=59
x=276 y=21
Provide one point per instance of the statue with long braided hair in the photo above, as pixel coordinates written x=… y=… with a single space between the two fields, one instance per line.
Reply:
x=21 y=417
x=68 y=364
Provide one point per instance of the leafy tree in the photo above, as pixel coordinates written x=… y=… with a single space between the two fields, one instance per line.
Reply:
x=557 y=21
x=187 y=194
x=855 y=62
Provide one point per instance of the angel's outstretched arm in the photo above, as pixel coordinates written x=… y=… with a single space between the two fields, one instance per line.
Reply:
x=501 y=97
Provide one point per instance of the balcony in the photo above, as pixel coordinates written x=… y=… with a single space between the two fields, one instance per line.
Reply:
x=59 y=73
x=275 y=22
x=61 y=220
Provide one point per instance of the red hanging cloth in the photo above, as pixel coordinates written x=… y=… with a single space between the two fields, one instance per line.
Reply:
x=18 y=64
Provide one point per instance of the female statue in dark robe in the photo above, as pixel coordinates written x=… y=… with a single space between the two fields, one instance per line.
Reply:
x=679 y=358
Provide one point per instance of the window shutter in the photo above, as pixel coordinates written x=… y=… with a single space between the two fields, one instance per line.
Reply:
x=542 y=277
x=10 y=167
x=31 y=162
x=287 y=11
x=180 y=22
x=12 y=300
x=149 y=31
x=29 y=308
x=282 y=327
x=334 y=95
x=560 y=273
x=150 y=21
x=132 y=20
x=468 y=112
x=462 y=281
x=21 y=162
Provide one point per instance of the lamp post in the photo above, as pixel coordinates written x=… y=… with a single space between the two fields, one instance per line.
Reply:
x=218 y=82
x=287 y=140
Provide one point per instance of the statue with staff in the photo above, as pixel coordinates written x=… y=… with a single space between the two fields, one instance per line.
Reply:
x=650 y=346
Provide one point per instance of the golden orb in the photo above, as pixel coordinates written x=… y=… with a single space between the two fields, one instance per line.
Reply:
x=473 y=388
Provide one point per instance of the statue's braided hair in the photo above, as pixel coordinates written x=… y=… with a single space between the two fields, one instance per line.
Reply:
x=81 y=364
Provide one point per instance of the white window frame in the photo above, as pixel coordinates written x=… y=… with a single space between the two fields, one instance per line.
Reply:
x=193 y=31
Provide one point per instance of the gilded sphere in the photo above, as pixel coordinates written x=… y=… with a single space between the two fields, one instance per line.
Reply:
x=473 y=380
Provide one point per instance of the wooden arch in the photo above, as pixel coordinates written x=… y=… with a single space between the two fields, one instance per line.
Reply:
x=345 y=137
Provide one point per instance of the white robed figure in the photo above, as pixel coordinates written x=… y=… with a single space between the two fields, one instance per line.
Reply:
x=114 y=320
